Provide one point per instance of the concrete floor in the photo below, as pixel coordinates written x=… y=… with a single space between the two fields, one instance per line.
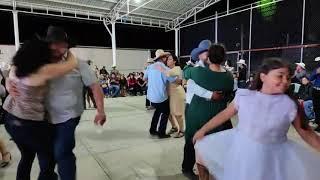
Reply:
x=122 y=149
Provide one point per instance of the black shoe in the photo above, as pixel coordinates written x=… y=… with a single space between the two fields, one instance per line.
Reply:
x=164 y=136
x=190 y=175
x=154 y=133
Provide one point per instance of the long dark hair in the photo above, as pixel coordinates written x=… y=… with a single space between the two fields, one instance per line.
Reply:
x=32 y=55
x=268 y=65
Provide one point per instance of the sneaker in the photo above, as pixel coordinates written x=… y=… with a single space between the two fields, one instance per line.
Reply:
x=164 y=136
x=154 y=133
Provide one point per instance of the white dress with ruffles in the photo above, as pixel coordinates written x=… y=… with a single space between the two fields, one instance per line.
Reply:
x=258 y=148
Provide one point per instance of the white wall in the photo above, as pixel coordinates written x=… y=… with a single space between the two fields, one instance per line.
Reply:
x=6 y=53
x=127 y=60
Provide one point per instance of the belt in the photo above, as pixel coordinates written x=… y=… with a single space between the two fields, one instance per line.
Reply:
x=316 y=88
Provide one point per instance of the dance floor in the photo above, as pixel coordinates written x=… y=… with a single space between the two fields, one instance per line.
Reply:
x=122 y=149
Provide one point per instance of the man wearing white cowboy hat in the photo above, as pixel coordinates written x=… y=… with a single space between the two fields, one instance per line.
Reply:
x=299 y=73
x=242 y=73
x=149 y=62
x=157 y=94
x=315 y=77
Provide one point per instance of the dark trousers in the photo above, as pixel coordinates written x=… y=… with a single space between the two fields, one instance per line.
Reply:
x=189 y=156
x=64 y=143
x=88 y=92
x=133 y=89
x=160 y=118
x=316 y=104
x=148 y=103
x=242 y=84
x=32 y=138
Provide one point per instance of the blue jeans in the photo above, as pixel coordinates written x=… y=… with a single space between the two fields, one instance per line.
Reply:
x=115 y=90
x=308 y=109
x=63 y=145
x=32 y=138
x=242 y=84
x=106 y=91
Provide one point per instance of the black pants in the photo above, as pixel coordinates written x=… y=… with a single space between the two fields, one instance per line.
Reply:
x=242 y=84
x=133 y=90
x=189 y=156
x=88 y=92
x=148 y=103
x=160 y=118
x=32 y=138
x=316 y=104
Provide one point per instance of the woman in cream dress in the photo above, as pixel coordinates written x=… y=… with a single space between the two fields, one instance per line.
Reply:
x=177 y=98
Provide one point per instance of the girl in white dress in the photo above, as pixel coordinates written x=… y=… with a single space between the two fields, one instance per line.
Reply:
x=258 y=148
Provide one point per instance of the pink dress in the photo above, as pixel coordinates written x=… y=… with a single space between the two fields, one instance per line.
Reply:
x=258 y=148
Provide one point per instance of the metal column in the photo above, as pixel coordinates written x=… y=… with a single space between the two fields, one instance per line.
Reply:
x=177 y=42
x=16 y=29
x=302 y=31
x=228 y=6
x=250 y=39
x=216 y=28
x=114 y=44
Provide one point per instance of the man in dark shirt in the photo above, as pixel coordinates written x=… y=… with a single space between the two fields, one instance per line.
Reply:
x=305 y=97
x=242 y=77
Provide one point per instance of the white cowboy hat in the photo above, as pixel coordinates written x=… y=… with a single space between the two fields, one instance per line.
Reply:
x=242 y=61
x=150 y=60
x=301 y=65
x=160 y=53
x=317 y=59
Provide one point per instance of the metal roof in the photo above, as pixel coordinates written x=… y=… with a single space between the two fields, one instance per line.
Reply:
x=154 y=13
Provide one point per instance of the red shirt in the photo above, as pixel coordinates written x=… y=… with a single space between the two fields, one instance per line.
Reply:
x=132 y=82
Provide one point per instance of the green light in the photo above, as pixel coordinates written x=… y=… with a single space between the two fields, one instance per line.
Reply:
x=267 y=9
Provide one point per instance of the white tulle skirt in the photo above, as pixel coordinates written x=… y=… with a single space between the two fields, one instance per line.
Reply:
x=231 y=155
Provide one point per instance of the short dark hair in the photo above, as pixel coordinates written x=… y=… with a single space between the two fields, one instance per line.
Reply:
x=32 y=55
x=56 y=34
x=217 y=53
x=268 y=65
